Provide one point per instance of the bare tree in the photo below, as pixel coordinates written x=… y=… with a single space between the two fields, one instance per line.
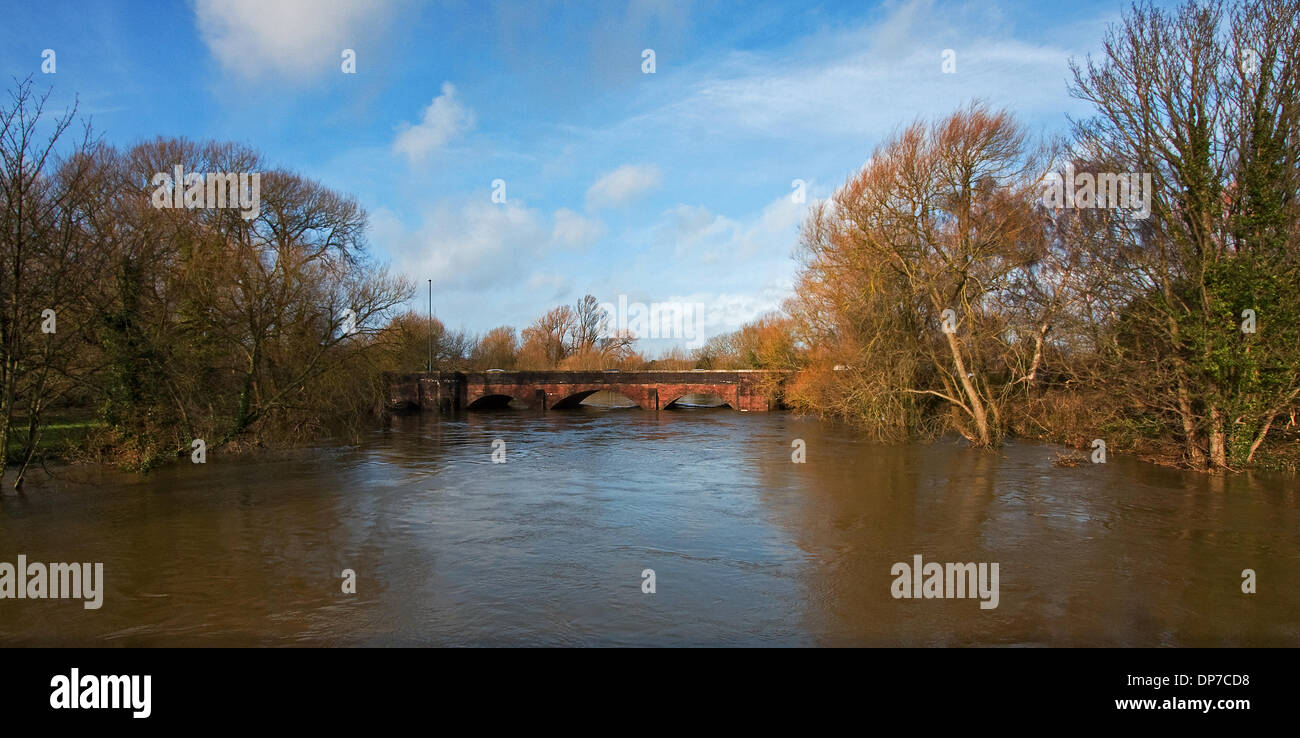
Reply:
x=588 y=326
x=906 y=267
x=497 y=349
x=43 y=263
x=548 y=339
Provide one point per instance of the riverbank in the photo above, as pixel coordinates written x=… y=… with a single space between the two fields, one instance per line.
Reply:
x=76 y=438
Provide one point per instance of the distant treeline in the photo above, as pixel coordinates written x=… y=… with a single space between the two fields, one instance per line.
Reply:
x=578 y=337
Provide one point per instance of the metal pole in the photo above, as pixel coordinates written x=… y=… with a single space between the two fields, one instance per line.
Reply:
x=429 y=366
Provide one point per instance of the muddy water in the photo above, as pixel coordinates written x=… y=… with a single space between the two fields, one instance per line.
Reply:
x=746 y=546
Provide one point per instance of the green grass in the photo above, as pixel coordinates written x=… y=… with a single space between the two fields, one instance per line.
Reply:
x=63 y=432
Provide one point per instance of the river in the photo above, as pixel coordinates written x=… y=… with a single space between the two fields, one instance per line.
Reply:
x=747 y=547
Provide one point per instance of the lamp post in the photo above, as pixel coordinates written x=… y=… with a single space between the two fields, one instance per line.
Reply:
x=429 y=366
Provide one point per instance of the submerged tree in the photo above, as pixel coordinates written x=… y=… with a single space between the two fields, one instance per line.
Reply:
x=907 y=269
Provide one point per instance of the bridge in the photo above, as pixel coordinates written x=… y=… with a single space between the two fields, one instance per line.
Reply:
x=742 y=389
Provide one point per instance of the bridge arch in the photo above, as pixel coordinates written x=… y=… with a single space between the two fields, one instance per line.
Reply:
x=494 y=402
x=698 y=399
x=576 y=399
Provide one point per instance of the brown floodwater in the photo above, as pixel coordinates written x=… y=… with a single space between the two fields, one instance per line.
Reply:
x=747 y=547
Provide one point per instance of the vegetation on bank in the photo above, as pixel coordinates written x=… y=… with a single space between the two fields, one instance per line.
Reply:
x=941 y=292
x=127 y=330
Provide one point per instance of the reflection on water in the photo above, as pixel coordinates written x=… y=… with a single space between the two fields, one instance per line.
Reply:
x=747 y=547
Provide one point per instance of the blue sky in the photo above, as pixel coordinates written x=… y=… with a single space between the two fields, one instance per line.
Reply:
x=672 y=186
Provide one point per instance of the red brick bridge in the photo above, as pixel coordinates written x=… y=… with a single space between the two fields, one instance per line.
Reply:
x=742 y=389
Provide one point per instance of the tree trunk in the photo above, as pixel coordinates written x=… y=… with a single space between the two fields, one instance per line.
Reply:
x=1191 y=434
x=1038 y=355
x=972 y=396
x=1263 y=433
x=1218 y=444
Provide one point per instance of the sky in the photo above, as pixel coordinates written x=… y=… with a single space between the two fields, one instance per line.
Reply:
x=671 y=186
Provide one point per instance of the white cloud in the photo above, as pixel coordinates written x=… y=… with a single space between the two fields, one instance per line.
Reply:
x=705 y=237
x=851 y=86
x=494 y=264
x=553 y=287
x=725 y=312
x=574 y=231
x=623 y=185
x=843 y=97
x=288 y=38
x=463 y=246
x=690 y=222
x=443 y=120
x=713 y=313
